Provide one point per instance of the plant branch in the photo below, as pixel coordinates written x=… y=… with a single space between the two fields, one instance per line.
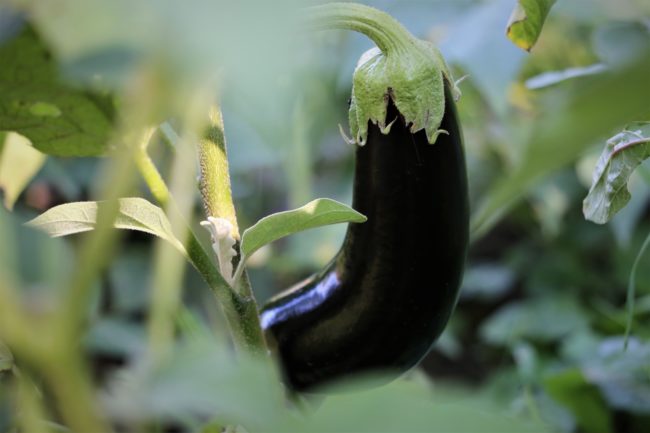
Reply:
x=385 y=31
x=214 y=182
x=217 y=199
x=152 y=177
x=237 y=309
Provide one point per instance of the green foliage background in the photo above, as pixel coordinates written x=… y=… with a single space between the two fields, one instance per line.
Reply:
x=537 y=340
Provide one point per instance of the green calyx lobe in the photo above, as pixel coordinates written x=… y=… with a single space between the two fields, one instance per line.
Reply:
x=403 y=69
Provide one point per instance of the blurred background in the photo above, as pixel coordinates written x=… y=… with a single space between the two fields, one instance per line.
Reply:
x=539 y=326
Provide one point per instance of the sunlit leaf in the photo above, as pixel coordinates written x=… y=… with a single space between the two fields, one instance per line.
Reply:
x=314 y=214
x=608 y=193
x=19 y=163
x=134 y=214
x=526 y=21
x=58 y=119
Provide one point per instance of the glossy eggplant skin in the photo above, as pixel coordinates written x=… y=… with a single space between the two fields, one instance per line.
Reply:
x=389 y=292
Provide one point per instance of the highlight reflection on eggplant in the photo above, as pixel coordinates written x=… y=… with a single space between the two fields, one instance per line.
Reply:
x=387 y=295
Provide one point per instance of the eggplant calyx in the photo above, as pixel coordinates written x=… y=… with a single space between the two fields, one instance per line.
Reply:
x=414 y=81
x=409 y=72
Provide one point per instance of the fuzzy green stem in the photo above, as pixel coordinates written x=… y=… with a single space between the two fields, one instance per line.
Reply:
x=215 y=177
x=385 y=31
x=215 y=189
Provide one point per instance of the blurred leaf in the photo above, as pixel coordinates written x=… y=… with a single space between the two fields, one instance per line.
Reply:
x=608 y=193
x=621 y=42
x=526 y=21
x=585 y=402
x=622 y=375
x=316 y=213
x=116 y=337
x=33 y=262
x=19 y=163
x=58 y=119
x=201 y=379
x=573 y=119
x=580 y=345
x=406 y=406
x=487 y=281
x=551 y=201
x=134 y=214
x=545 y=318
x=130 y=280
x=527 y=361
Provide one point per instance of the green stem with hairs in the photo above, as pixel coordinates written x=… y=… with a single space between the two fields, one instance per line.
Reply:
x=214 y=182
x=216 y=192
x=384 y=30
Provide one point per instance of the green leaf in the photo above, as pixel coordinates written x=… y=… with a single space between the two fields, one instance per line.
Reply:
x=19 y=163
x=571 y=389
x=572 y=120
x=608 y=193
x=134 y=214
x=526 y=21
x=58 y=119
x=317 y=213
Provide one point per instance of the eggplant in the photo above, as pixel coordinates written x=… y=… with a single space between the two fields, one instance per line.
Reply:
x=387 y=295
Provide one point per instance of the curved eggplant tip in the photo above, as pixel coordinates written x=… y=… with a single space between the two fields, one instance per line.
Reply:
x=345 y=137
x=386 y=128
x=434 y=137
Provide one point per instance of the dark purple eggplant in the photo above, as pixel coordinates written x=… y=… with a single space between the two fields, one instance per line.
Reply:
x=389 y=292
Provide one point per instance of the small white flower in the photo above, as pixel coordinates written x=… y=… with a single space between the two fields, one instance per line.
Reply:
x=222 y=243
